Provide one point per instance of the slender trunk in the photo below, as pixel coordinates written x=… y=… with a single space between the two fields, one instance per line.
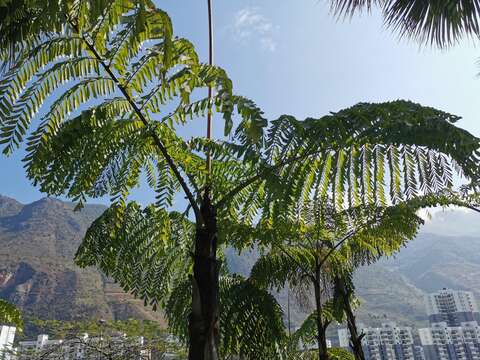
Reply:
x=321 y=336
x=210 y=90
x=204 y=325
x=355 y=337
x=204 y=318
x=288 y=311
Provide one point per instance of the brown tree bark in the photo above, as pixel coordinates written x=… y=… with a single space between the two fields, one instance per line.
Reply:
x=204 y=327
x=204 y=319
x=321 y=325
x=355 y=337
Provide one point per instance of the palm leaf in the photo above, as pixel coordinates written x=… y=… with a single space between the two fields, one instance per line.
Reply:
x=439 y=22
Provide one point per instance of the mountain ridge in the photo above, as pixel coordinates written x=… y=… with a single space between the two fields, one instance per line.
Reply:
x=38 y=242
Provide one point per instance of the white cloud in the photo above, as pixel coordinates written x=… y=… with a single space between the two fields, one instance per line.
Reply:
x=249 y=24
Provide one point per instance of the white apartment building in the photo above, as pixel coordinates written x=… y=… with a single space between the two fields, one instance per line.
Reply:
x=80 y=348
x=388 y=342
x=7 y=335
x=443 y=342
x=451 y=306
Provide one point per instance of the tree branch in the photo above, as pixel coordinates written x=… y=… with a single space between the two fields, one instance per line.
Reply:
x=153 y=134
x=300 y=265
x=259 y=176
x=348 y=236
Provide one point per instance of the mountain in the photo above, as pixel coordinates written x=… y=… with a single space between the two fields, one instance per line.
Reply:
x=38 y=242
x=446 y=253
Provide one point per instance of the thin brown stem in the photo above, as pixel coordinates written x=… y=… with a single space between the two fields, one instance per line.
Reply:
x=348 y=236
x=210 y=90
x=304 y=270
x=321 y=326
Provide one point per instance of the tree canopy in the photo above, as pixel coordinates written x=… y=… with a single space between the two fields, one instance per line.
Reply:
x=97 y=90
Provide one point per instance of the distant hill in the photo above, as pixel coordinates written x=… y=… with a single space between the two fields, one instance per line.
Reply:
x=427 y=264
x=395 y=288
x=37 y=245
x=446 y=253
x=37 y=272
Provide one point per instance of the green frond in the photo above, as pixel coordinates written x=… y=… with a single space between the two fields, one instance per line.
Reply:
x=276 y=268
x=372 y=232
x=250 y=131
x=369 y=154
x=306 y=334
x=121 y=148
x=145 y=251
x=178 y=308
x=251 y=320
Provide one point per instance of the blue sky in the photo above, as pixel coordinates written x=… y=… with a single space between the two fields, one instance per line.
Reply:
x=293 y=57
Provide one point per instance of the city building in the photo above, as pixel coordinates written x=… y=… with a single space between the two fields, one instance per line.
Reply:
x=82 y=347
x=388 y=342
x=452 y=307
x=418 y=352
x=7 y=335
x=443 y=342
x=454 y=332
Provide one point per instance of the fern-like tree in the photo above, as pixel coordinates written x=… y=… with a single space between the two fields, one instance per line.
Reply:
x=317 y=252
x=99 y=90
x=108 y=71
x=355 y=254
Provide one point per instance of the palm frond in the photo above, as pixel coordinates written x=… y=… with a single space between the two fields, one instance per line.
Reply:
x=436 y=22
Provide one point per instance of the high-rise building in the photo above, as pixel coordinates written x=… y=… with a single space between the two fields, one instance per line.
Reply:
x=452 y=307
x=388 y=342
x=7 y=335
x=443 y=342
x=454 y=332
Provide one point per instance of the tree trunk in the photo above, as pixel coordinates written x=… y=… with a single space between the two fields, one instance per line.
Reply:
x=204 y=318
x=355 y=337
x=321 y=336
